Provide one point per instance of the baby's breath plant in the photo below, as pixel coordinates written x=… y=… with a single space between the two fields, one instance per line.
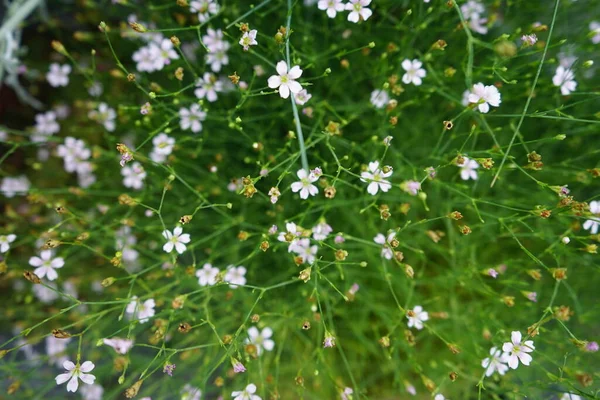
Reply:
x=287 y=199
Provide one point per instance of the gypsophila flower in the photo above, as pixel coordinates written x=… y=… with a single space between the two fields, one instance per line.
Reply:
x=411 y=187
x=12 y=186
x=163 y=147
x=472 y=12
x=74 y=153
x=207 y=276
x=188 y=392
x=46 y=265
x=302 y=97
x=133 y=176
x=176 y=240
x=321 y=231
x=595 y=30
x=285 y=80
x=386 y=251
x=45 y=125
x=565 y=79
x=593 y=224
x=145 y=58
x=414 y=72
x=45 y=294
x=518 y=351
x=104 y=115
x=305 y=250
x=375 y=177
x=274 y=194
x=75 y=372
x=121 y=346
x=492 y=272
x=416 y=317
x=262 y=340
x=484 y=97
x=58 y=75
x=218 y=57
x=95 y=90
x=592 y=347
x=56 y=348
x=529 y=40
x=246 y=394
x=339 y=239
x=570 y=396
x=496 y=362
x=305 y=184
x=164 y=52
x=207 y=87
x=440 y=396
x=379 y=98
x=204 y=8
x=169 y=368
x=249 y=39
x=238 y=367
x=358 y=10
x=331 y=6
x=235 y=276
x=5 y=241
x=411 y=389
x=346 y=394
x=92 y=392
x=142 y=311
x=213 y=40
x=468 y=169
x=291 y=236
x=192 y=118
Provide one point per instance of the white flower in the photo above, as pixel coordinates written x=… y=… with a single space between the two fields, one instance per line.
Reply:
x=411 y=187
x=569 y=396
x=375 y=177
x=213 y=40
x=74 y=372
x=347 y=394
x=5 y=241
x=207 y=275
x=12 y=186
x=593 y=223
x=293 y=233
x=45 y=294
x=145 y=58
x=192 y=118
x=58 y=75
x=217 y=58
x=121 y=346
x=176 y=240
x=134 y=175
x=358 y=10
x=595 y=28
x=190 y=393
x=304 y=185
x=477 y=24
x=417 y=318
x=472 y=8
x=143 y=311
x=163 y=144
x=484 y=97
x=204 y=8
x=45 y=125
x=306 y=251
x=440 y=396
x=74 y=153
x=386 y=251
x=517 y=350
x=105 y=116
x=207 y=87
x=246 y=394
x=414 y=72
x=332 y=6
x=302 y=97
x=235 y=276
x=321 y=231
x=379 y=98
x=468 y=169
x=56 y=348
x=92 y=392
x=565 y=79
x=495 y=362
x=95 y=90
x=261 y=339
x=249 y=39
x=46 y=265
x=286 y=80
x=164 y=53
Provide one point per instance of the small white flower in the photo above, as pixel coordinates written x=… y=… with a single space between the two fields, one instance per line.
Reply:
x=56 y=348
x=306 y=251
x=286 y=80
x=235 y=276
x=518 y=351
x=472 y=8
x=207 y=87
x=332 y=6
x=45 y=294
x=176 y=240
x=145 y=58
x=529 y=40
x=45 y=125
x=302 y=97
x=293 y=232
x=565 y=79
x=468 y=169
x=495 y=362
x=92 y=392
x=105 y=116
x=595 y=28
x=570 y=396
x=74 y=372
x=440 y=396
x=5 y=241
x=134 y=175
x=213 y=40
x=417 y=318
x=411 y=187
x=375 y=177
x=321 y=231
x=262 y=340
x=143 y=312
x=249 y=39
x=305 y=184
x=593 y=224
x=358 y=10
x=163 y=144
x=190 y=393
x=207 y=276
x=165 y=52
x=95 y=90
x=12 y=186
x=484 y=97
x=246 y=394
x=217 y=58
x=74 y=154
x=46 y=265
x=58 y=75
x=379 y=98
x=414 y=72
x=192 y=118
x=386 y=250
x=204 y=8
x=121 y=346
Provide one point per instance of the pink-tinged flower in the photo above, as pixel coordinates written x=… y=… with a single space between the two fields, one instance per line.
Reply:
x=354 y=288
x=416 y=317
x=529 y=40
x=169 y=368
x=207 y=275
x=331 y=6
x=565 y=79
x=339 y=239
x=261 y=340
x=58 y=75
x=143 y=311
x=74 y=372
x=358 y=10
x=238 y=367
x=347 y=394
x=321 y=231
x=192 y=118
x=121 y=346
x=306 y=251
x=329 y=340
x=592 y=347
x=468 y=169
x=273 y=230
x=304 y=185
x=495 y=362
x=375 y=177
x=46 y=265
x=302 y=97
x=249 y=39
x=176 y=240
x=518 y=351
x=411 y=187
x=484 y=97
x=414 y=73
x=286 y=80
x=235 y=276
x=595 y=32
x=246 y=394
x=386 y=251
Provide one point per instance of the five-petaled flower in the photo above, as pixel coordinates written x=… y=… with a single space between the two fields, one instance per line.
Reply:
x=517 y=350
x=235 y=276
x=120 y=345
x=484 y=97
x=76 y=371
x=358 y=10
x=495 y=362
x=207 y=275
x=144 y=311
x=414 y=72
x=468 y=169
x=249 y=39
x=416 y=317
x=46 y=265
x=58 y=75
x=565 y=79
x=593 y=224
x=332 y=7
x=305 y=184
x=246 y=394
x=286 y=80
x=262 y=340
x=5 y=241
x=176 y=240
x=375 y=177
